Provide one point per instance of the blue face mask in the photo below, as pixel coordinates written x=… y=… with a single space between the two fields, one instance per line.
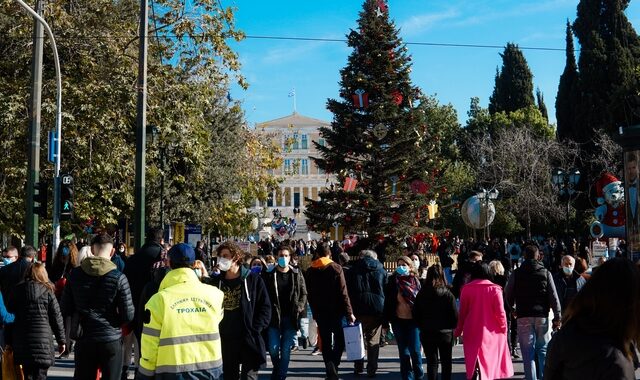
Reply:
x=402 y=270
x=283 y=262
x=257 y=269
x=65 y=251
x=6 y=260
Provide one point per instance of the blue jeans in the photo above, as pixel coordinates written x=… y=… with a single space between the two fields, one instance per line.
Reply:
x=280 y=343
x=533 y=336
x=408 y=337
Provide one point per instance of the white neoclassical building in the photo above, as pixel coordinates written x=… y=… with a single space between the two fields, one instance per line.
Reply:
x=302 y=178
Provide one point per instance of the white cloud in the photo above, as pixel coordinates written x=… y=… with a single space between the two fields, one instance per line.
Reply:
x=420 y=23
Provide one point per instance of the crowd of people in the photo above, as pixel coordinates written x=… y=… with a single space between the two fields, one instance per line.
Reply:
x=175 y=312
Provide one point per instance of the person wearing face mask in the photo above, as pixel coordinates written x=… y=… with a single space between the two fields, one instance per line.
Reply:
x=247 y=312
x=258 y=265
x=9 y=255
x=400 y=295
x=568 y=282
x=270 y=263
x=288 y=295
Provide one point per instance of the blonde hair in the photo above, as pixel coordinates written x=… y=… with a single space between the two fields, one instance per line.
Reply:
x=496 y=268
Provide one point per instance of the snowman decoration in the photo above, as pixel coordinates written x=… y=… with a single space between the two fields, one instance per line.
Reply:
x=610 y=213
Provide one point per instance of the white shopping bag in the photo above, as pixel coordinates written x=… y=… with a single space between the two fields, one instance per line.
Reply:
x=353 y=341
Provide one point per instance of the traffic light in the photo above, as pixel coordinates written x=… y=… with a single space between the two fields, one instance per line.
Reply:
x=66 y=198
x=40 y=199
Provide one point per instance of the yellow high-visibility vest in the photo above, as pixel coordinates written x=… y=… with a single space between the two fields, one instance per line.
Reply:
x=181 y=328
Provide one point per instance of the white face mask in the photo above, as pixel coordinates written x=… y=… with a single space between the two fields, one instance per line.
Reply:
x=416 y=264
x=224 y=264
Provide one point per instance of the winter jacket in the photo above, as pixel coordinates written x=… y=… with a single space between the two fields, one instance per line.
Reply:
x=138 y=270
x=391 y=299
x=180 y=340
x=327 y=290
x=532 y=290
x=366 y=280
x=11 y=275
x=435 y=309
x=37 y=319
x=567 y=288
x=256 y=311
x=147 y=292
x=576 y=353
x=297 y=296
x=101 y=296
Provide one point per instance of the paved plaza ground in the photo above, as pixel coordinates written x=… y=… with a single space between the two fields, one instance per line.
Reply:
x=306 y=366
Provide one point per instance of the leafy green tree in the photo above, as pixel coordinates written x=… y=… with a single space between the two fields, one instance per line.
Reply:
x=389 y=141
x=567 y=98
x=608 y=64
x=541 y=106
x=209 y=150
x=513 y=88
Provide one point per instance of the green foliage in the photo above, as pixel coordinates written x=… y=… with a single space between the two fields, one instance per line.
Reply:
x=541 y=106
x=567 y=98
x=210 y=154
x=514 y=83
x=419 y=136
x=609 y=56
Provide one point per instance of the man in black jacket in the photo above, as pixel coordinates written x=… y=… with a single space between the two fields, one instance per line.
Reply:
x=532 y=290
x=99 y=295
x=139 y=270
x=568 y=282
x=12 y=274
x=366 y=280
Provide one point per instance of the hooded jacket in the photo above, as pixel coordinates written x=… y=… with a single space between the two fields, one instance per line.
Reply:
x=366 y=280
x=327 y=290
x=256 y=312
x=100 y=294
x=37 y=319
x=297 y=296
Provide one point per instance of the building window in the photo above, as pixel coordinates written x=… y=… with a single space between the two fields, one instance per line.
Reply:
x=295 y=144
x=304 y=167
x=321 y=142
x=287 y=166
x=303 y=142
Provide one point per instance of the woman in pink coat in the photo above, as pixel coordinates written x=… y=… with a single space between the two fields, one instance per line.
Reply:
x=483 y=325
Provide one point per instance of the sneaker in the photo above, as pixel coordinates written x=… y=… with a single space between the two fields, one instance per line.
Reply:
x=316 y=351
x=514 y=354
x=294 y=348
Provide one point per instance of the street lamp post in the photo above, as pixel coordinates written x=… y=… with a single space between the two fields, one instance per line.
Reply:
x=565 y=182
x=486 y=196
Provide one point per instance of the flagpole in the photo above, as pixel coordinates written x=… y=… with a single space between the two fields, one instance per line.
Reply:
x=294 y=100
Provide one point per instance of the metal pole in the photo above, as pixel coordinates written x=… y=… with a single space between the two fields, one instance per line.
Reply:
x=56 y=180
x=567 y=221
x=33 y=169
x=141 y=124
x=162 y=188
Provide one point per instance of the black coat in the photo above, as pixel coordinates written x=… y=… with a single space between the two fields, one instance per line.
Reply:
x=256 y=311
x=297 y=297
x=366 y=280
x=11 y=275
x=435 y=309
x=101 y=296
x=575 y=353
x=37 y=319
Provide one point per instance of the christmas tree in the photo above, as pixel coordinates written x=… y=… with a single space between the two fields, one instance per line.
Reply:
x=381 y=145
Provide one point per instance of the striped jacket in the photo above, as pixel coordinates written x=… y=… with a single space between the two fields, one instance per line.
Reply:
x=180 y=338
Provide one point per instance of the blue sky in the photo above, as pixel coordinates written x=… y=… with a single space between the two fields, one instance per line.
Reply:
x=453 y=74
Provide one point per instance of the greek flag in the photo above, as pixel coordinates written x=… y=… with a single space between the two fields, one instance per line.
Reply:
x=292 y=93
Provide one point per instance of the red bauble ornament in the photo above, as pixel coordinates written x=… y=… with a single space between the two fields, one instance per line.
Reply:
x=395 y=218
x=347 y=218
x=359 y=167
x=444 y=189
x=397 y=97
x=365 y=203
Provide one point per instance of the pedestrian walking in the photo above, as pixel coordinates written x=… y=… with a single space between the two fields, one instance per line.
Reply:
x=600 y=329
x=330 y=305
x=180 y=337
x=436 y=314
x=400 y=295
x=568 y=282
x=247 y=312
x=482 y=323
x=288 y=296
x=533 y=293
x=366 y=281
x=98 y=297
x=38 y=318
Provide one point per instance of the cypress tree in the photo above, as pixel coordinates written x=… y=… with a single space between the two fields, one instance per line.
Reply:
x=566 y=100
x=541 y=106
x=514 y=83
x=608 y=68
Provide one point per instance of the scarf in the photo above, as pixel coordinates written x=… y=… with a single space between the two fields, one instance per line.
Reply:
x=409 y=287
